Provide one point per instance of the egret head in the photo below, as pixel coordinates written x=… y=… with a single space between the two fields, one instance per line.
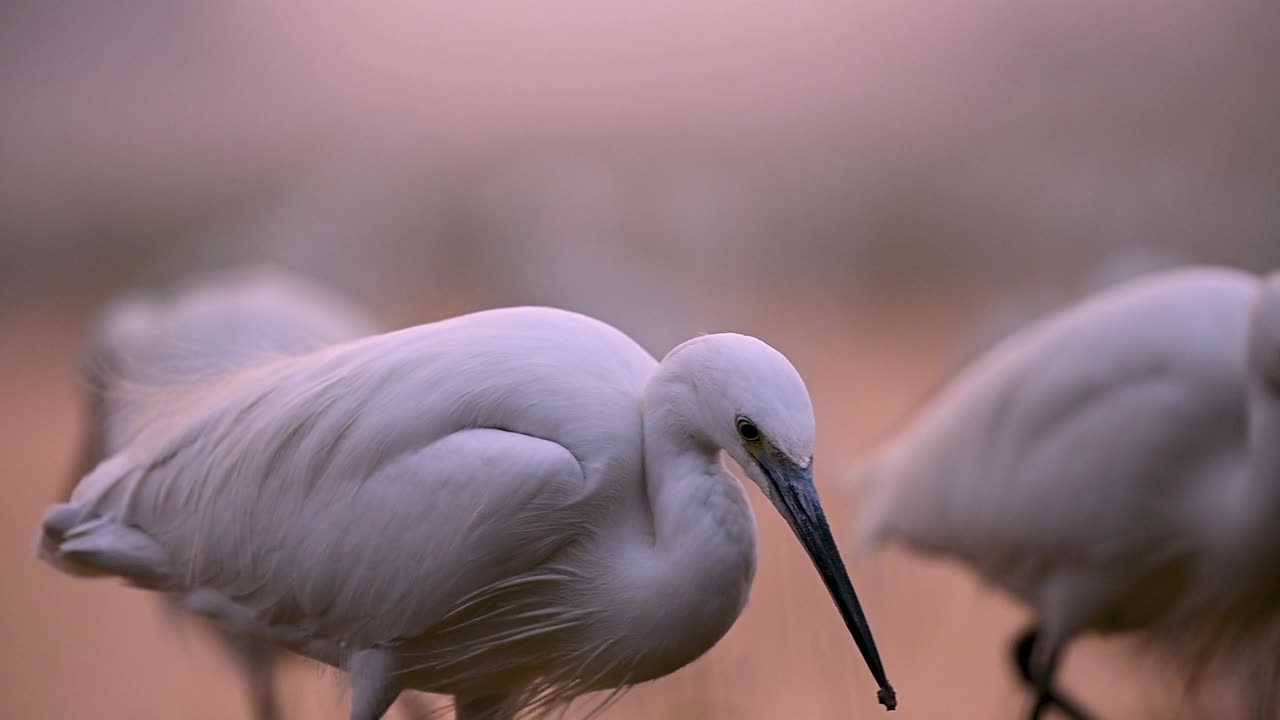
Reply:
x=747 y=399
x=1264 y=333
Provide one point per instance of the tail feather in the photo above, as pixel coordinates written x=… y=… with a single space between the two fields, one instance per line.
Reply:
x=79 y=542
x=59 y=520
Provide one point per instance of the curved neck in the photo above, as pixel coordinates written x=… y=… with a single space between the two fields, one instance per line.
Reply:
x=1264 y=455
x=1263 y=396
x=681 y=468
x=1252 y=548
x=695 y=580
x=1244 y=578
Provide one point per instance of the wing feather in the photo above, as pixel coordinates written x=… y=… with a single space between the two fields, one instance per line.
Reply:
x=380 y=561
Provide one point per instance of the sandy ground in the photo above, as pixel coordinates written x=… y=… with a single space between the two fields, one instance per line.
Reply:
x=80 y=649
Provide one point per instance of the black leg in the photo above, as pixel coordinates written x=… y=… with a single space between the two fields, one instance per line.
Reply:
x=373 y=683
x=257 y=662
x=1046 y=696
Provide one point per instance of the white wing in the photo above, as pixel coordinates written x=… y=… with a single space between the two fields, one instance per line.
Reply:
x=400 y=551
x=399 y=555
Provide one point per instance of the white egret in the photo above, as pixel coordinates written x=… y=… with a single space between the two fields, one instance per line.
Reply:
x=208 y=326
x=1017 y=309
x=1115 y=466
x=513 y=507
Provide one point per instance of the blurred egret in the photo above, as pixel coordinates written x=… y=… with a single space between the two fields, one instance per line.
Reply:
x=208 y=326
x=211 y=324
x=513 y=507
x=1115 y=466
x=1016 y=309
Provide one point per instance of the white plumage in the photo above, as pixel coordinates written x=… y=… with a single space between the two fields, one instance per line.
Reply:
x=1012 y=311
x=143 y=345
x=1115 y=466
x=513 y=507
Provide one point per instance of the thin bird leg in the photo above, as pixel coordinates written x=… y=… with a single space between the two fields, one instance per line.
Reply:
x=1046 y=696
x=373 y=683
x=492 y=707
x=257 y=661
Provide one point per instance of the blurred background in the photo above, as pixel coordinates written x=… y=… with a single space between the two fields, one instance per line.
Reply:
x=879 y=189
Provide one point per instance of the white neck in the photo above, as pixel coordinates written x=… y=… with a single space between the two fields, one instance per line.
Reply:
x=1264 y=462
x=694 y=581
x=1263 y=394
x=682 y=468
x=1244 y=571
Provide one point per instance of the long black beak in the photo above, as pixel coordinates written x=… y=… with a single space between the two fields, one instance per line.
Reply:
x=797 y=498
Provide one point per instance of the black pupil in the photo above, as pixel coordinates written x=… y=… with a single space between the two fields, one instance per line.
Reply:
x=748 y=431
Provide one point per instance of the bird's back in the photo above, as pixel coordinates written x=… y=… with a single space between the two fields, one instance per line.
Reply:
x=1057 y=436
x=541 y=372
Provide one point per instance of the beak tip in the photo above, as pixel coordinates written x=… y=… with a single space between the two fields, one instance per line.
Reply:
x=888 y=698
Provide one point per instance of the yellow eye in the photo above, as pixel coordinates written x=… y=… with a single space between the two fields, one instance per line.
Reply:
x=748 y=430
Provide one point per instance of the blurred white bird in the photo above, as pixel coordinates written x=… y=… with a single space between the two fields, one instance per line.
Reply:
x=206 y=327
x=1115 y=466
x=513 y=507
x=1017 y=309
